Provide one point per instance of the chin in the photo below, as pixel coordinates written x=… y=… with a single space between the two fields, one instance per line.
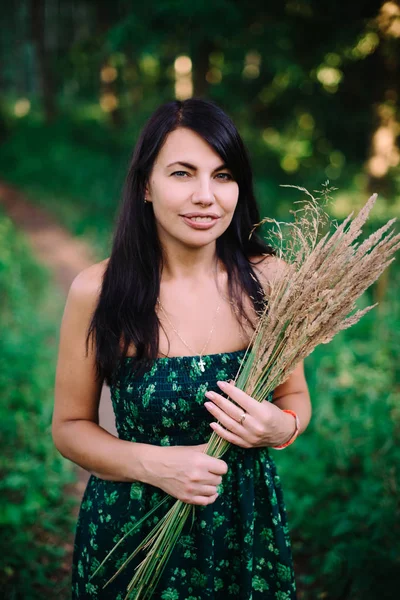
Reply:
x=199 y=244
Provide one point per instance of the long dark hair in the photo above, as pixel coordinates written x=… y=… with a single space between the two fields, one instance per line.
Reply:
x=126 y=307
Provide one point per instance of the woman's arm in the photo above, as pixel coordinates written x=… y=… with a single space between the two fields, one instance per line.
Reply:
x=76 y=432
x=293 y=395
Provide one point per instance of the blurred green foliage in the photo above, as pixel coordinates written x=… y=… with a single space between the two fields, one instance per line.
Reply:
x=34 y=512
x=313 y=88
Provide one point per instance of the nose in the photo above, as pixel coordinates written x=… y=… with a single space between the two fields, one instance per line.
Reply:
x=203 y=193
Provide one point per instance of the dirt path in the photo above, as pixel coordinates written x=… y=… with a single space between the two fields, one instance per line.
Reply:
x=65 y=256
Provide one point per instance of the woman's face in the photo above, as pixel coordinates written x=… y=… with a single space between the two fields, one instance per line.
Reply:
x=193 y=195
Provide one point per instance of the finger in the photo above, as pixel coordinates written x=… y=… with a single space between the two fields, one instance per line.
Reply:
x=201 y=491
x=225 y=419
x=249 y=404
x=225 y=404
x=214 y=480
x=229 y=436
x=218 y=467
x=249 y=431
x=203 y=500
x=209 y=479
x=207 y=490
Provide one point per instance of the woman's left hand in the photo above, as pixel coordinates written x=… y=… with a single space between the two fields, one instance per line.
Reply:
x=263 y=425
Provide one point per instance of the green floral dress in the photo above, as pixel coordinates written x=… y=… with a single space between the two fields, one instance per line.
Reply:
x=237 y=547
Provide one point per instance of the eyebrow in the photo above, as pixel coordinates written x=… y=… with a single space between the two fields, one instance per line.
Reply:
x=189 y=166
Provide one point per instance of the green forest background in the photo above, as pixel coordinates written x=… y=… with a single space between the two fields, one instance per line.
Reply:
x=313 y=87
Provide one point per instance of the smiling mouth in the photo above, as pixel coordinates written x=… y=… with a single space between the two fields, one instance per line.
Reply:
x=197 y=216
x=201 y=219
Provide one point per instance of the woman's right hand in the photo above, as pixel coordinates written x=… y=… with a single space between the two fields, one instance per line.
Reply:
x=190 y=475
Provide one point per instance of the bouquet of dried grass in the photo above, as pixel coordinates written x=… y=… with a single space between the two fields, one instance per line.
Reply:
x=312 y=298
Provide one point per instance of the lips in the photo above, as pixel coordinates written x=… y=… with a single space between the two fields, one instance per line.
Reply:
x=199 y=214
x=209 y=220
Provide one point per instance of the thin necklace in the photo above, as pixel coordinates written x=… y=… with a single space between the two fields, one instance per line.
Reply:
x=200 y=362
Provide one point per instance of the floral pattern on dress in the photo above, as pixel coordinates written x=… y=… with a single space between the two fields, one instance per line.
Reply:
x=238 y=547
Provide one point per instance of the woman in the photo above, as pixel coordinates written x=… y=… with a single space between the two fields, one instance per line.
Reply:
x=165 y=321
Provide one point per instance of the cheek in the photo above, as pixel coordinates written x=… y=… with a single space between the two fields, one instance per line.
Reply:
x=232 y=197
x=229 y=210
x=162 y=214
x=231 y=203
x=166 y=203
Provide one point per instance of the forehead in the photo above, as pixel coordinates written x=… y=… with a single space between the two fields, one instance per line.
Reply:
x=185 y=144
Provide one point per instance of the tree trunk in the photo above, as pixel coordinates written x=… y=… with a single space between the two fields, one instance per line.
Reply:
x=201 y=53
x=384 y=153
x=38 y=24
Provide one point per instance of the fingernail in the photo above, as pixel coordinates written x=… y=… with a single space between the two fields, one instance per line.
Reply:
x=221 y=384
x=209 y=395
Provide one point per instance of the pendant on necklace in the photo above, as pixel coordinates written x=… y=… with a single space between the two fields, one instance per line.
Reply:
x=201 y=364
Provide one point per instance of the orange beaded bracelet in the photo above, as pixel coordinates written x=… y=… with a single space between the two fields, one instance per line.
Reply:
x=295 y=434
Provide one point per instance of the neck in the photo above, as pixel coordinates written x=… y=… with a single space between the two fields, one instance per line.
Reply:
x=189 y=263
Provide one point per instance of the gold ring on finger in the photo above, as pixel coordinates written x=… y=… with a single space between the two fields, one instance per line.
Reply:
x=242 y=418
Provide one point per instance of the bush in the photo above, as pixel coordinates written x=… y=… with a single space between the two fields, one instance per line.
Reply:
x=33 y=517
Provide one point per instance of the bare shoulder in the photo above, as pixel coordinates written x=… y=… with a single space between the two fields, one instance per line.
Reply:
x=82 y=299
x=267 y=268
x=77 y=388
x=80 y=305
x=86 y=286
